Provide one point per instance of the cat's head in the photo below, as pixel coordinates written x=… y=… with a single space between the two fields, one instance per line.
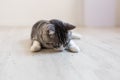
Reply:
x=59 y=23
x=57 y=32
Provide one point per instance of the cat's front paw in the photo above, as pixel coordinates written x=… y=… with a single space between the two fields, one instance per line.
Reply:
x=74 y=49
x=35 y=48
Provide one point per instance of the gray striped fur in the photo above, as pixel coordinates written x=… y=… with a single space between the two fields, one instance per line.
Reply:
x=51 y=34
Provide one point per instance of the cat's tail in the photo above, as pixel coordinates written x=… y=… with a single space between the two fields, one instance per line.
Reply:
x=76 y=36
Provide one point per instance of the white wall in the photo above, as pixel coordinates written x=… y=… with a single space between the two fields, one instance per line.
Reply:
x=118 y=13
x=27 y=12
x=78 y=12
x=100 y=12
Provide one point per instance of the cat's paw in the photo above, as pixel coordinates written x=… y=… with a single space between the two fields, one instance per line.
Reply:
x=35 y=48
x=74 y=49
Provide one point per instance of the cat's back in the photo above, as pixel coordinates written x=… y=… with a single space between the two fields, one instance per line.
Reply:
x=39 y=24
x=38 y=27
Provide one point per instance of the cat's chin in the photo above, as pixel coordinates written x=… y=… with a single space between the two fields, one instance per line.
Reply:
x=58 y=49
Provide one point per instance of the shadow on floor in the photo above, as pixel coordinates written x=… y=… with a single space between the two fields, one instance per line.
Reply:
x=26 y=43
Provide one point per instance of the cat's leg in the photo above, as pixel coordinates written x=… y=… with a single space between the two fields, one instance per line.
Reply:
x=76 y=36
x=73 y=47
x=35 y=46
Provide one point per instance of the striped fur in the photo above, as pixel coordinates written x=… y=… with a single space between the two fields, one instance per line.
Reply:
x=51 y=34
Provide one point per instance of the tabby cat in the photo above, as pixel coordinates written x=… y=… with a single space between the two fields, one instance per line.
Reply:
x=52 y=34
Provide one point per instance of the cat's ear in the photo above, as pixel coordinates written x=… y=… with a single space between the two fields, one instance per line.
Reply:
x=60 y=23
x=69 y=26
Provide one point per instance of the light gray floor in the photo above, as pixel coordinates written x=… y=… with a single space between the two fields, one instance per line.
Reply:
x=99 y=58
